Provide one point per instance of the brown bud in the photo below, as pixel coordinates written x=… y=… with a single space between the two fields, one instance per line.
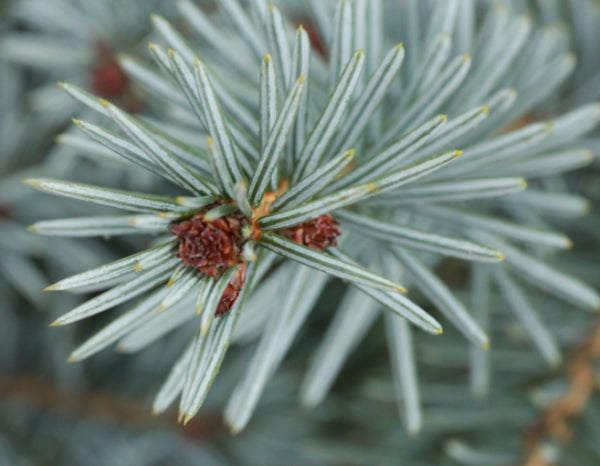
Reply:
x=232 y=292
x=318 y=233
x=211 y=246
x=108 y=80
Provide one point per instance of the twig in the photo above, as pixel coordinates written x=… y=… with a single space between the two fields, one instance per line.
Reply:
x=555 y=422
x=106 y=406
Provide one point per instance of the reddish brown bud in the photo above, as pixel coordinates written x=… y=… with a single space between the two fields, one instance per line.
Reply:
x=108 y=80
x=211 y=246
x=318 y=234
x=231 y=293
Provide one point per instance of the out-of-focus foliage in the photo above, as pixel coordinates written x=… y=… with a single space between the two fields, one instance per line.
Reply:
x=520 y=106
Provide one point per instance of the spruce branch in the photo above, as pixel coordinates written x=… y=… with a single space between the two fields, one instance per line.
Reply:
x=295 y=144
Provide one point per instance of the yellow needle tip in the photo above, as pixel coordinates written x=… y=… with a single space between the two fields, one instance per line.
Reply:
x=232 y=429
x=414 y=431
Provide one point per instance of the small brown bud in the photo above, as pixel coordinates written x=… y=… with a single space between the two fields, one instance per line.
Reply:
x=317 y=234
x=108 y=80
x=211 y=246
x=232 y=292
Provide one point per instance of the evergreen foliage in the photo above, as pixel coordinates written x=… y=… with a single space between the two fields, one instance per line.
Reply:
x=427 y=154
